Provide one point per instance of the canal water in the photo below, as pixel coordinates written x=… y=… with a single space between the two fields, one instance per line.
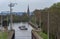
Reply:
x=22 y=34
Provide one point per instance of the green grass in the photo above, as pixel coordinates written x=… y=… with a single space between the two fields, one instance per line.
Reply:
x=3 y=35
x=43 y=35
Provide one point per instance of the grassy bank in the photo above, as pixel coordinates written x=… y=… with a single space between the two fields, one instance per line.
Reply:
x=3 y=35
x=43 y=35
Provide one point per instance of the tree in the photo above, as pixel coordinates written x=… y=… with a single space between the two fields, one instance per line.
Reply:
x=37 y=14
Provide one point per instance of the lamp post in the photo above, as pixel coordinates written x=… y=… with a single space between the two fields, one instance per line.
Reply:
x=40 y=21
x=11 y=5
x=48 y=25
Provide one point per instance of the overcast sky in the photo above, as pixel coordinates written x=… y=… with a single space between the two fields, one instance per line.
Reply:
x=23 y=4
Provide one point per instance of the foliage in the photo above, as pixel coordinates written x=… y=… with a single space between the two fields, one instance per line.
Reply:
x=33 y=20
x=43 y=35
x=54 y=19
x=37 y=15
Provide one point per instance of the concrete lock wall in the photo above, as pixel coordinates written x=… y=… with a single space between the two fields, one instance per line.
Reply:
x=11 y=34
x=35 y=35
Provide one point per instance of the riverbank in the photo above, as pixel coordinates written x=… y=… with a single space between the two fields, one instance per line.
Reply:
x=11 y=34
x=7 y=35
x=3 y=35
x=37 y=33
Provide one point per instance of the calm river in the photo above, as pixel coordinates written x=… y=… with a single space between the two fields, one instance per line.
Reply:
x=22 y=34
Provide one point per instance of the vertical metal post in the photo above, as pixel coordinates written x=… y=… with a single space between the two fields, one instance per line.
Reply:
x=11 y=17
x=40 y=20
x=48 y=25
x=57 y=31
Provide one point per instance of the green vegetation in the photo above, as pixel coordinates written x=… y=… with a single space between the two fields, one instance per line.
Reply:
x=54 y=19
x=33 y=20
x=20 y=18
x=43 y=35
x=17 y=18
x=3 y=35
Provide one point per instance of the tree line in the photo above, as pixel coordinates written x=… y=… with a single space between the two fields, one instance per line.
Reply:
x=40 y=17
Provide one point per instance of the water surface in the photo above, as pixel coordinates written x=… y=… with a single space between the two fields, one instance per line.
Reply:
x=22 y=34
